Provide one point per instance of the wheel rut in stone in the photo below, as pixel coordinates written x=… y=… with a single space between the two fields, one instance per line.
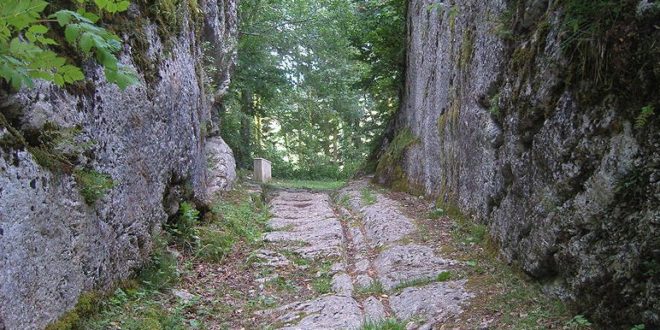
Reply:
x=377 y=273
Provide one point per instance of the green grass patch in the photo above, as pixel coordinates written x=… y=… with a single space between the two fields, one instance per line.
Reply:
x=367 y=196
x=280 y=283
x=321 y=185
x=437 y=213
x=375 y=288
x=239 y=218
x=465 y=229
x=388 y=324
x=260 y=303
x=443 y=277
x=322 y=284
x=345 y=201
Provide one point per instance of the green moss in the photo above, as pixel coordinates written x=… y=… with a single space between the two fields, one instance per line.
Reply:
x=389 y=165
x=400 y=179
x=165 y=14
x=88 y=304
x=453 y=13
x=467 y=49
x=57 y=149
x=135 y=29
x=644 y=116
x=395 y=151
x=49 y=160
x=196 y=16
x=495 y=105
x=67 y=322
x=504 y=24
x=93 y=185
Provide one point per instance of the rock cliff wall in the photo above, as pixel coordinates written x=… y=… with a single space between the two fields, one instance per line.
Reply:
x=88 y=174
x=536 y=128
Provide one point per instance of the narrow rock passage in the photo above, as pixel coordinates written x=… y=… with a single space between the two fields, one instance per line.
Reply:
x=377 y=270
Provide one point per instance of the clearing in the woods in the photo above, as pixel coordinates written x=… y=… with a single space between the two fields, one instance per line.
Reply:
x=356 y=257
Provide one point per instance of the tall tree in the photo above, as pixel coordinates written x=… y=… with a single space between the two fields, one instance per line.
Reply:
x=309 y=82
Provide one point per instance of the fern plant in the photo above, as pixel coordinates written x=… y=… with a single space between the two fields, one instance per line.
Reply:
x=644 y=116
x=25 y=43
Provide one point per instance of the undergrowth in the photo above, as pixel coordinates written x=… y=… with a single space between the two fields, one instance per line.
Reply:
x=505 y=291
x=144 y=301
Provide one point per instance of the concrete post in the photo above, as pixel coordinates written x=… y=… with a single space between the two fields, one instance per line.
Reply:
x=262 y=170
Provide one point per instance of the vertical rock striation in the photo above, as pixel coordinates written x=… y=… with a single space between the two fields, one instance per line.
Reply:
x=61 y=235
x=510 y=129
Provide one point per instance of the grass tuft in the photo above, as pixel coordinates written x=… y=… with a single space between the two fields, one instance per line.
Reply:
x=367 y=196
x=375 y=288
x=388 y=324
x=93 y=185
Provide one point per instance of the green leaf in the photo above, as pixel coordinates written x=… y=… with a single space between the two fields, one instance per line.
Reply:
x=71 y=33
x=34 y=31
x=72 y=73
x=38 y=29
x=112 y=6
x=123 y=76
x=65 y=17
x=21 y=13
x=87 y=42
x=58 y=80
x=90 y=16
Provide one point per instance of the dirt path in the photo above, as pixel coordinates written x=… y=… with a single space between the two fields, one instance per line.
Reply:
x=376 y=271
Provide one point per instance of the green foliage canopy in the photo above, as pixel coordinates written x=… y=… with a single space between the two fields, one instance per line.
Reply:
x=315 y=83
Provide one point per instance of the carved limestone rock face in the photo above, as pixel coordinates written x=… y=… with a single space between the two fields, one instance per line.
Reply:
x=147 y=139
x=221 y=166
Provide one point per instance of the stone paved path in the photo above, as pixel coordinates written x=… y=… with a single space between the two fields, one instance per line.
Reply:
x=378 y=273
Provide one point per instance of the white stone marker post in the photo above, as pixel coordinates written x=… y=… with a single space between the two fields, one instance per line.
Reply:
x=262 y=170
